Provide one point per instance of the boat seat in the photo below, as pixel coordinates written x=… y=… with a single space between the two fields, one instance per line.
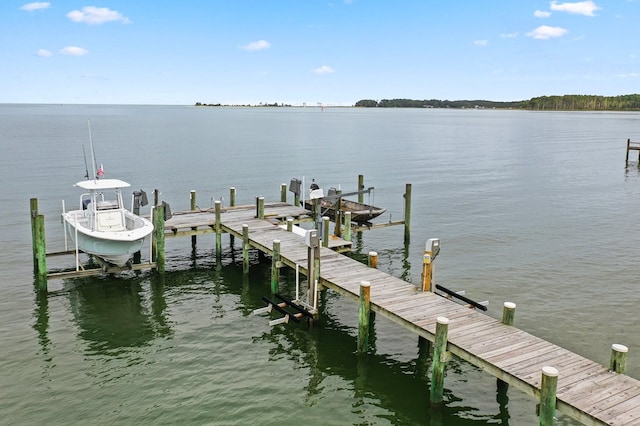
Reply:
x=110 y=221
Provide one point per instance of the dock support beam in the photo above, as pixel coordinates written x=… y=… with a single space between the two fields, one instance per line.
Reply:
x=373 y=259
x=232 y=196
x=364 y=312
x=192 y=198
x=275 y=267
x=347 y=226
x=439 y=360
x=618 y=362
x=218 y=226
x=283 y=192
x=38 y=238
x=260 y=207
x=245 y=248
x=325 y=231
x=548 y=389
x=158 y=232
x=508 y=313
x=407 y=214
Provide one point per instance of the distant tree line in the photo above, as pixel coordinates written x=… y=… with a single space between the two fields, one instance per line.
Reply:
x=435 y=103
x=584 y=102
x=543 y=103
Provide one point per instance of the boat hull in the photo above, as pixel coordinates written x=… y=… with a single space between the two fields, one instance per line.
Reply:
x=114 y=247
x=360 y=213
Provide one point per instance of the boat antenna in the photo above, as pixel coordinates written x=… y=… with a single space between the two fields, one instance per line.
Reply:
x=93 y=153
x=86 y=168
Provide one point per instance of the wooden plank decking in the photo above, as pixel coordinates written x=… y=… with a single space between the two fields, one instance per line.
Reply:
x=586 y=390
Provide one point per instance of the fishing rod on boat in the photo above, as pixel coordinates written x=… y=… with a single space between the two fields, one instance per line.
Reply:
x=96 y=172
x=86 y=168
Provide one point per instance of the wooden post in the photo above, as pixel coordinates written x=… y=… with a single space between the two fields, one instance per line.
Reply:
x=245 y=248
x=439 y=360
x=283 y=192
x=407 y=213
x=508 y=316
x=289 y=224
x=325 y=231
x=158 y=232
x=260 y=208
x=275 y=265
x=364 y=311
x=41 y=253
x=156 y=197
x=548 y=389
x=337 y=229
x=626 y=160
x=192 y=198
x=232 y=196
x=618 y=362
x=33 y=208
x=218 y=227
x=372 y=259
x=508 y=313
x=426 y=272
x=347 y=226
x=360 y=188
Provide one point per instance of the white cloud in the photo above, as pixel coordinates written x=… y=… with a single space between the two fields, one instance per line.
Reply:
x=43 y=53
x=586 y=8
x=257 y=45
x=74 y=51
x=541 y=14
x=509 y=35
x=545 y=32
x=325 y=69
x=96 y=15
x=481 y=42
x=36 y=6
x=629 y=75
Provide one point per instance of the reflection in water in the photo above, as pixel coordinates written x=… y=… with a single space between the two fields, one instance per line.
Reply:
x=115 y=312
x=401 y=387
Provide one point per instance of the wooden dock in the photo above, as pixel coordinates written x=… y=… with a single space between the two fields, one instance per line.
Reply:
x=586 y=391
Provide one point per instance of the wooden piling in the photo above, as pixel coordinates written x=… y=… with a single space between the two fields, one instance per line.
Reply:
x=372 y=259
x=40 y=252
x=548 y=389
x=232 y=196
x=260 y=207
x=192 y=198
x=628 y=145
x=407 y=213
x=618 y=362
x=289 y=224
x=426 y=272
x=33 y=208
x=245 y=248
x=360 y=188
x=364 y=312
x=508 y=313
x=218 y=228
x=325 y=231
x=337 y=229
x=439 y=360
x=275 y=267
x=158 y=232
x=283 y=192
x=347 y=226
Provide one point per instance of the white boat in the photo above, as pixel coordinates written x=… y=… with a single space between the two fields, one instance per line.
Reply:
x=102 y=226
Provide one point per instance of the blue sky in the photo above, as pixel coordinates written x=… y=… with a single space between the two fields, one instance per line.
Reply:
x=333 y=52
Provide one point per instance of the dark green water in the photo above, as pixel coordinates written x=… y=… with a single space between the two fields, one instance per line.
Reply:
x=535 y=208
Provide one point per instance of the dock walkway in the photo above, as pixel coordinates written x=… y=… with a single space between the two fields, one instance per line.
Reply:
x=586 y=391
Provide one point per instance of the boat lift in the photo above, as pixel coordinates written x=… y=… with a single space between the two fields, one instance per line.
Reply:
x=304 y=305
